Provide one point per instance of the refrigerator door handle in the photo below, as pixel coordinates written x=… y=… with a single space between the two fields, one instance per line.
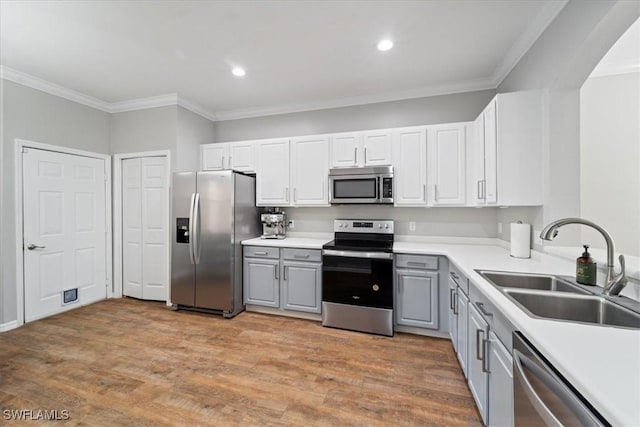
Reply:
x=191 y=228
x=196 y=230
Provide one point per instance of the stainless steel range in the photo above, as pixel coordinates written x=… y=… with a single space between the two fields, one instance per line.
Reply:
x=357 y=277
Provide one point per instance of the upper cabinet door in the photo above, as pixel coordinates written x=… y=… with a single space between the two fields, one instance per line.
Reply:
x=346 y=149
x=490 y=185
x=310 y=170
x=272 y=174
x=241 y=156
x=215 y=156
x=475 y=149
x=376 y=148
x=447 y=145
x=410 y=166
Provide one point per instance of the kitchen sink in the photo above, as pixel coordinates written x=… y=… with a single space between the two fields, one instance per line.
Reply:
x=531 y=281
x=577 y=308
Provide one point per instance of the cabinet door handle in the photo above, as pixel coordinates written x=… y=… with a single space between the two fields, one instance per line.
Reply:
x=287 y=195
x=436 y=192
x=295 y=194
x=455 y=303
x=285 y=272
x=229 y=164
x=223 y=162
x=479 y=354
x=485 y=359
x=451 y=298
x=424 y=191
x=484 y=189
x=478 y=191
x=483 y=310
x=355 y=155
x=275 y=270
x=365 y=156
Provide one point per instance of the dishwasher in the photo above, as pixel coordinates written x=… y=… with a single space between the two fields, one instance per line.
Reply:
x=541 y=396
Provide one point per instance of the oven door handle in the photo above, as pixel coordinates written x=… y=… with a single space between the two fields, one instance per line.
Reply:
x=356 y=254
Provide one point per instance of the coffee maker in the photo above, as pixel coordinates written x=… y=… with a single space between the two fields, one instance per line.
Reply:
x=274 y=225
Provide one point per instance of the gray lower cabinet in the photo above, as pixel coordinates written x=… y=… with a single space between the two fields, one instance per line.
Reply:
x=478 y=363
x=301 y=285
x=417 y=298
x=462 y=314
x=500 y=406
x=289 y=279
x=261 y=282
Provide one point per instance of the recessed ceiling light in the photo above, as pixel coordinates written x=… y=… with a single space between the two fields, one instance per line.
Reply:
x=385 y=45
x=238 y=72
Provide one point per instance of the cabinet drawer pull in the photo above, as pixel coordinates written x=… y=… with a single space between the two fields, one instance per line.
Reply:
x=301 y=256
x=261 y=253
x=479 y=355
x=423 y=264
x=482 y=309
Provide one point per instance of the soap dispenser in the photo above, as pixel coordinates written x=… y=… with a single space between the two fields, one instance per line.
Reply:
x=586 y=271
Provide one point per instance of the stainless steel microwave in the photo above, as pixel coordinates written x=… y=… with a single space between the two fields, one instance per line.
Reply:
x=373 y=185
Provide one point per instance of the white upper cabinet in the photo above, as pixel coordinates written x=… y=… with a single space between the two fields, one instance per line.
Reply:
x=214 y=156
x=242 y=156
x=447 y=164
x=344 y=149
x=376 y=148
x=272 y=173
x=310 y=170
x=410 y=166
x=508 y=151
x=358 y=149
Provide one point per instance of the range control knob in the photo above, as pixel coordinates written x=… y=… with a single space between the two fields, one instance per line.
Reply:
x=386 y=226
x=379 y=225
x=340 y=225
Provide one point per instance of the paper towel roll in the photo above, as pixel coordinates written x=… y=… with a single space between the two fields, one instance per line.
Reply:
x=520 y=240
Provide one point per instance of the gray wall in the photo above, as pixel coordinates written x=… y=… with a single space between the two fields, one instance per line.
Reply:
x=410 y=112
x=193 y=130
x=559 y=62
x=610 y=157
x=456 y=222
x=36 y=116
x=145 y=130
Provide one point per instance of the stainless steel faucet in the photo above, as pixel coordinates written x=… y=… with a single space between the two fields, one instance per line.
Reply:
x=615 y=282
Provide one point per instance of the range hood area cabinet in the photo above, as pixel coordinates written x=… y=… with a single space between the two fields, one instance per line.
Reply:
x=361 y=149
x=507 y=151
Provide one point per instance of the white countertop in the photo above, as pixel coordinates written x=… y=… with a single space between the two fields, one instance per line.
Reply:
x=311 y=241
x=602 y=363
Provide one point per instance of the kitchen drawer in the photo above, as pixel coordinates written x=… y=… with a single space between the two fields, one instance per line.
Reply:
x=460 y=279
x=312 y=255
x=261 y=252
x=498 y=322
x=421 y=262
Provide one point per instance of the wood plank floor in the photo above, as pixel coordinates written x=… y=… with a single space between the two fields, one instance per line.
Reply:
x=129 y=362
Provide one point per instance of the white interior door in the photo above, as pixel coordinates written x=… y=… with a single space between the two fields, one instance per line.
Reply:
x=64 y=229
x=145 y=227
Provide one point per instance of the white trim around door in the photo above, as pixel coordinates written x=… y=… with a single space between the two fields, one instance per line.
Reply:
x=117 y=219
x=21 y=144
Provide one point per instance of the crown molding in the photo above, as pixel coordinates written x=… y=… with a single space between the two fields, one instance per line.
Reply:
x=28 y=80
x=144 y=103
x=196 y=108
x=447 y=89
x=523 y=43
x=615 y=70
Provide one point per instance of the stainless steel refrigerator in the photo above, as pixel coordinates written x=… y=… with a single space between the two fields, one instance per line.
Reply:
x=212 y=213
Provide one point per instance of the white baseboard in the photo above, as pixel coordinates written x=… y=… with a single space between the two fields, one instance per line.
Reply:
x=8 y=326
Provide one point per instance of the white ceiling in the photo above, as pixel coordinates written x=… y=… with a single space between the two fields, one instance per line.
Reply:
x=298 y=55
x=624 y=55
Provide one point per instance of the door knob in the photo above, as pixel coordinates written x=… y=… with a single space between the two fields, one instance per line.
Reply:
x=32 y=247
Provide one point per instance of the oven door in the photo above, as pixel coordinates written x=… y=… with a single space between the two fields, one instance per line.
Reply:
x=358 y=278
x=354 y=189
